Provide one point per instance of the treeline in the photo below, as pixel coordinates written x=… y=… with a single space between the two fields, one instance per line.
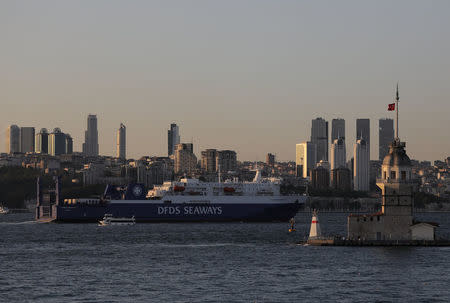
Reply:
x=18 y=184
x=287 y=189
x=421 y=199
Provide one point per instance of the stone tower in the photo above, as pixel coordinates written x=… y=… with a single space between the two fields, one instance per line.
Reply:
x=395 y=219
x=397 y=193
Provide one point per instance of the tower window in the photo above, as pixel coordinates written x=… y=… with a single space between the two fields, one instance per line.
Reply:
x=403 y=175
x=393 y=175
x=384 y=175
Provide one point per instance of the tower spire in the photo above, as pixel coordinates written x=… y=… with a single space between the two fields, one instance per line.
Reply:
x=397 y=97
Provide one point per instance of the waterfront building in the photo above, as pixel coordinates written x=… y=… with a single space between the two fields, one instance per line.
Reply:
x=305 y=158
x=226 y=161
x=57 y=142
x=121 y=142
x=13 y=139
x=337 y=129
x=270 y=160
x=185 y=161
x=27 y=139
x=361 y=166
x=395 y=221
x=90 y=145
x=208 y=162
x=341 y=179
x=320 y=177
x=319 y=136
x=338 y=153
x=173 y=138
x=363 y=131
x=155 y=171
x=69 y=144
x=385 y=137
x=41 y=142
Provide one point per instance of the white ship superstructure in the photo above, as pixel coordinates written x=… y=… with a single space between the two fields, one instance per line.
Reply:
x=230 y=188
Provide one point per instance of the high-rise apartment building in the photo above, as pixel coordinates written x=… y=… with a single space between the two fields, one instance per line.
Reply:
x=173 y=138
x=41 y=142
x=385 y=137
x=363 y=131
x=305 y=158
x=121 y=142
x=13 y=139
x=337 y=129
x=208 y=162
x=319 y=136
x=341 y=179
x=90 y=145
x=338 y=154
x=57 y=142
x=361 y=166
x=270 y=159
x=69 y=144
x=27 y=139
x=185 y=161
x=226 y=161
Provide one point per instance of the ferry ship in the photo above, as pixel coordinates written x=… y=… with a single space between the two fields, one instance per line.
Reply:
x=187 y=200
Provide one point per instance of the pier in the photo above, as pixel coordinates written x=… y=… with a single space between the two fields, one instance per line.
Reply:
x=350 y=242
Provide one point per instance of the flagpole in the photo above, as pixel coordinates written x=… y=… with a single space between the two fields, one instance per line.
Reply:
x=396 y=108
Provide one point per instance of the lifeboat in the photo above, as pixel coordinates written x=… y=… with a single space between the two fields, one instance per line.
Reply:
x=229 y=190
x=178 y=188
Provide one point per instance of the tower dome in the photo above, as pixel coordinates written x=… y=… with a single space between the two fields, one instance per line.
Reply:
x=396 y=165
x=397 y=155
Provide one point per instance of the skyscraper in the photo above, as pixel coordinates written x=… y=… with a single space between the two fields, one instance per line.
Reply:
x=209 y=160
x=121 y=142
x=270 y=159
x=13 y=139
x=385 y=137
x=305 y=158
x=173 y=138
x=69 y=144
x=27 y=139
x=338 y=154
x=337 y=129
x=41 y=142
x=226 y=161
x=184 y=159
x=363 y=131
x=361 y=165
x=57 y=142
x=90 y=145
x=319 y=137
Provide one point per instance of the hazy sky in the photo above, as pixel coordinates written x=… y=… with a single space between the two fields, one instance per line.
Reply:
x=242 y=75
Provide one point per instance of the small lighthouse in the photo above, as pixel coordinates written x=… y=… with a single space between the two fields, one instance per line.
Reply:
x=314 y=232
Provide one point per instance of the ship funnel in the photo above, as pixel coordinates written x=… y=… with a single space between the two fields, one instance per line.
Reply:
x=314 y=232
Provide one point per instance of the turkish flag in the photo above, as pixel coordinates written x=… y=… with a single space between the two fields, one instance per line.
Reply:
x=391 y=106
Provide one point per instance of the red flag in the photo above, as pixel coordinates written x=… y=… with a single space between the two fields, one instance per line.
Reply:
x=391 y=106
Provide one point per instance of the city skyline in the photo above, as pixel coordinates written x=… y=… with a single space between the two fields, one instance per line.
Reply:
x=250 y=87
x=198 y=149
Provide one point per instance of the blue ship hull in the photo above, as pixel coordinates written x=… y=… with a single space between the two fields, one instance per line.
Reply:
x=160 y=212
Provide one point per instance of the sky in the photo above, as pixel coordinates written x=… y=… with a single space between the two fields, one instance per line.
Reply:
x=243 y=75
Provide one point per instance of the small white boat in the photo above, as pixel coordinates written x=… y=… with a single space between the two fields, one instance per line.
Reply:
x=4 y=210
x=108 y=219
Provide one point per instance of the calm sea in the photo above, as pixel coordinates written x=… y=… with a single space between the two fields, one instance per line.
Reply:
x=236 y=262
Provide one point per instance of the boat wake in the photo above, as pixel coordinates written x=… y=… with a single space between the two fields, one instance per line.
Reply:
x=18 y=223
